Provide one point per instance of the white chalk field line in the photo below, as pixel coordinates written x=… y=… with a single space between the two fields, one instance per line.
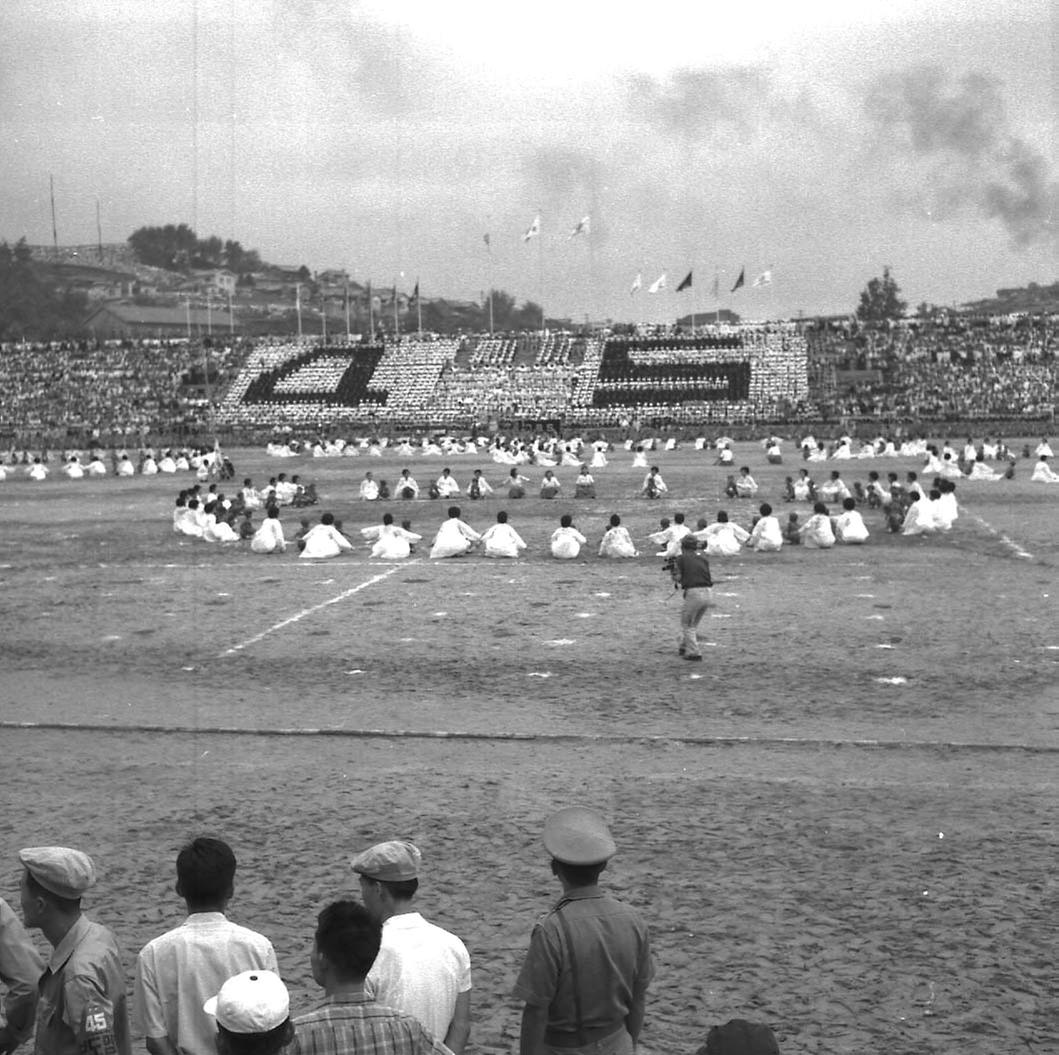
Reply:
x=313 y=608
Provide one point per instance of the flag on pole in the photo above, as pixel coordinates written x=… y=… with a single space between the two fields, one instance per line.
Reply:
x=485 y=238
x=658 y=284
x=741 y=280
x=534 y=228
x=685 y=284
x=764 y=279
x=581 y=227
x=414 y=299
x=716 y=288
x=637 y=283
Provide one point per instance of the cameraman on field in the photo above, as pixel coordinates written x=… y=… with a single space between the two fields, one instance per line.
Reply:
x=691 y=573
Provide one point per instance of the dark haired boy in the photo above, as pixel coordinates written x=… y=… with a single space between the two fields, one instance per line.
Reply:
x=179 y=970
x=345 y=945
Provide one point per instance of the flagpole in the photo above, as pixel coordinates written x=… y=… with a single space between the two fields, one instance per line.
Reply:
x=396 y=320
x=348 y=335
x=231 y=316
x=540 y=273
x=323 y=314
x=371 y=313
x=419 y=309
x=298 y=306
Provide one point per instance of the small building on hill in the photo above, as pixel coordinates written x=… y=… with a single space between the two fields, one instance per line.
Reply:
x=114 y=320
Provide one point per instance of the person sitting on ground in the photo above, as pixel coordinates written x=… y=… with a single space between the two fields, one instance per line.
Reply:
x=730 y=490
x=454 y=537
x=745 y=484
x=516 y=484
x=1043 y=473
x=792 y=531
x=850 y=528
x=677 y=532
x=246 y=526
x=788 y=489
x=479 y=486
x=919 y=519
x=981 y=471
x=817 y=532
x=767 y=536
x=725 y=538
x=549 y=485
x=946 y=510
x=325 y=540
x=269 y=538
x=217 y=528
x=665 y=532
x=616 y=541
x=725 y=455
x=446 y=485
x=391 y=542
x=566 y=540
x=501 y=539
x=804 y=487
x=369 y=488
x=406 y=487
x=835 y=489
x=877 y=495
x=584 y=485
x=653 y=484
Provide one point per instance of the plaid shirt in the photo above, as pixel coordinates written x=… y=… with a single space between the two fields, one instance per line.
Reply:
x=356 y=1025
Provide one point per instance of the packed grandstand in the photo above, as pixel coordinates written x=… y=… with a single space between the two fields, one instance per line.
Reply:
x=978 y=368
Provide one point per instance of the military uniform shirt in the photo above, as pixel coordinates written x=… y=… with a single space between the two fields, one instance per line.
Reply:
x=614 y=966
x=85 y=965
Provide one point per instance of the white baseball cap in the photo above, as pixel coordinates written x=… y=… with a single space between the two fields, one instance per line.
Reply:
x=251 y=1002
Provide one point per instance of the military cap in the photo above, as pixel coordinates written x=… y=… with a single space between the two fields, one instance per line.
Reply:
x=578 y=836
x=391 y=862
x=251 y=1002
x=60 y=870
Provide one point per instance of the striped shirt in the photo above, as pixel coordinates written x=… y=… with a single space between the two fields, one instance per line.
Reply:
x=356 y=1025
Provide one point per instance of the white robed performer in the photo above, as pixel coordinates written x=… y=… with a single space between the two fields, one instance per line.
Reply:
x=566 y=540
x=767 y=536
x=723 y=538
x=1043 y=473
x=817 y=532
x=454 y=537
x=501 y=539
x=850 y=528
x=392 y=542
x=616 y=541
x=325 y=540
x=269 y=536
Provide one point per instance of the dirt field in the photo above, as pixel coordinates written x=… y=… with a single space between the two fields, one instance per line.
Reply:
x=841 y=823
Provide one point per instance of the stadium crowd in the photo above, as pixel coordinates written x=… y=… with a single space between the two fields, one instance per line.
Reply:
x=953 y=369
x=911 y=370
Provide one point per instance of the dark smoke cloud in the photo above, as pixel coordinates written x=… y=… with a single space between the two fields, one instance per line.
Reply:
x=964 y=124
x=358 y=62
x=694 y=102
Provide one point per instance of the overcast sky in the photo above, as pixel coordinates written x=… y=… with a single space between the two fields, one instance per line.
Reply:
x=820 y=141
